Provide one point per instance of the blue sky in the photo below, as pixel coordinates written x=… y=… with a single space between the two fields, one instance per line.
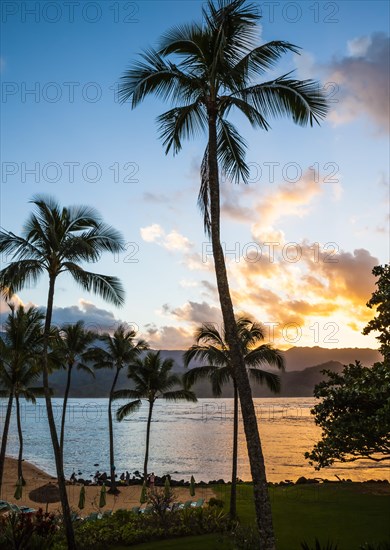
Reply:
x=87 y=148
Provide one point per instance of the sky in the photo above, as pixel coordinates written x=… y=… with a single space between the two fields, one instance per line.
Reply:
x=300 y=239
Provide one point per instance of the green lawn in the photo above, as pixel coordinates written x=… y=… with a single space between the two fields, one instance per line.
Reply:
x=204 y=542
x=349 y=514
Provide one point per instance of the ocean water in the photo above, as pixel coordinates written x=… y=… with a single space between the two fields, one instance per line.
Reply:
x=186 y=439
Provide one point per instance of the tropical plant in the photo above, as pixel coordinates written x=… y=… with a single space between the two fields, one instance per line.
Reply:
x=212 y=348
x=212 y=72
x=69 y=350
x=329 y=545
x=56 y=240
x=119 y=351
x=19 y=369
x=354 y=414
x=153 y=380
x=380 y=299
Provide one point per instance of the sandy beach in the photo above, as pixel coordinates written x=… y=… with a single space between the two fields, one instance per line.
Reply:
x=35 y=478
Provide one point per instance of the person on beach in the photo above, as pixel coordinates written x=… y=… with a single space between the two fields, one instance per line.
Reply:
x=73 y=478
x=152 y=479
x=127 y=478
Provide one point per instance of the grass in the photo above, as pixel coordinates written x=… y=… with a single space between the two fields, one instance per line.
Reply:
x=346 y=513
x=205 y=542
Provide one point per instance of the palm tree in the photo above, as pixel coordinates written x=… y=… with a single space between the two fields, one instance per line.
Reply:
x=211 y=347
x=213 y=72
x=56 y=240
x=69 y=349
x=153 y=380
x=19 y=368
x=120 y=350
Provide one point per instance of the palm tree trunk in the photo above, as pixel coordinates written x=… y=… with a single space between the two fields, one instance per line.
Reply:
x=20 y=434
x=233 y=492
x=255 y=453
x=5 y=437
x=113 y=489
x=66 y=394
x=53 y=431
x=147 y=441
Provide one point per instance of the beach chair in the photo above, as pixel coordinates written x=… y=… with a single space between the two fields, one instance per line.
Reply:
x=14 y=508
x=26 y=510
x=3 y=507
x=92 y=517
x=147 y=510
x=198 y=504
x=186 y=505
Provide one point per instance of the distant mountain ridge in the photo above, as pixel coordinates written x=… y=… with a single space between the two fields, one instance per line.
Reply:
x=303 y=372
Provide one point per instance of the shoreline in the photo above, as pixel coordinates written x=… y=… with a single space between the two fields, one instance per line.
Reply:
x=35 y=477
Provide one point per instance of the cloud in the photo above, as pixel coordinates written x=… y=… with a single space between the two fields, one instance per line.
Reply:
x=168 y=337
x=306 y=285
x=172 y=241
x=94 y=318
x=152 y=233
x=289 y=199
x=363 y=81
x=195 y=312
x=15 y=300
x=155 y=198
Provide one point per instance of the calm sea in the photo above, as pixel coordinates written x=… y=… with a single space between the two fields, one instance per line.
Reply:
x=186 y=439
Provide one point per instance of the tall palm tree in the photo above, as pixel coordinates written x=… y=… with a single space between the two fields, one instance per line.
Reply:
x=119 y=351
x=69 y=349
x=19 y=368
x=56 y=240
x=213 y=71
x=153 y=380
x=211 y=348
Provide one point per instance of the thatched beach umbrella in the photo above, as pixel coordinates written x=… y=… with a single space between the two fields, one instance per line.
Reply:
x=82 y=498
x=142 y=498
x=192 y=486
x=19 y=489
x=46 y=494
x=102 y=499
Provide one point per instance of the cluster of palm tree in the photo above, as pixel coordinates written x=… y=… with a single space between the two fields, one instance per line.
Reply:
x=74 y=347
x=207 y=70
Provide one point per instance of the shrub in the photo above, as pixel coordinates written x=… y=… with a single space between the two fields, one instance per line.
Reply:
x=27 y=531
x=216 y=502
x=318 y=546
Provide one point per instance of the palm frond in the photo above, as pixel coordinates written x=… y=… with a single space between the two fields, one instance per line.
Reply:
x=195 y=374
x=255 y=118
x=231 y=151
x=302 y=100
x=265 y=355
x=262 y=59
x=128 y=409
x=177 y=395
x=109 y=288
x=14 y=245
x=204 y=194
x=219 y=378
x=125 y=394
x=18 y=275
x=153 y=75
x=261 y=376
x=181 y=123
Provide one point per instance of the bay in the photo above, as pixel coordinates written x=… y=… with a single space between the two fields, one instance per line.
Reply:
x=186 y=439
